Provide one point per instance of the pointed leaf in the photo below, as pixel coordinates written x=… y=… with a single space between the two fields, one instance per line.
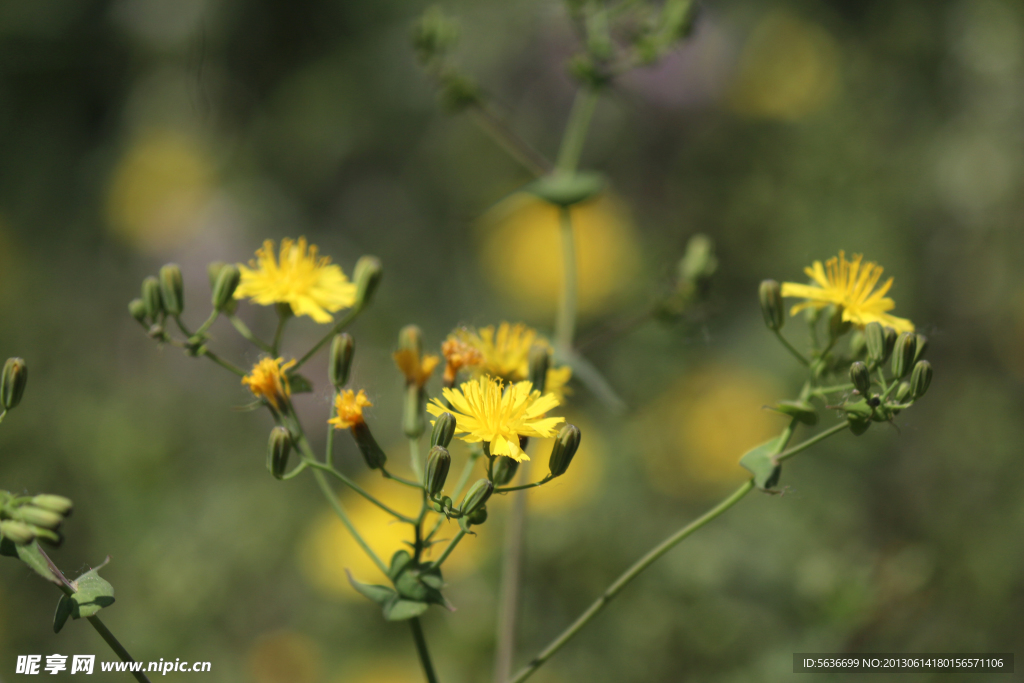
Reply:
x=400 y=610
x=299 y=384
x=759 y=461
x=92 y=594
x=64 y=609
x=379 y=594
x=30 y=555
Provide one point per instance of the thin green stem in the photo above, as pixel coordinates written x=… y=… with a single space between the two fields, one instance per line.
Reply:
x=630 y=574
x=796 y=354
x=467 y=470
x=414 y=458
x=338 y=327
x=400 y=480
x=332 y=499
x=882 y=381
x=789 y=453
x=517 y=148
x=329 y=448
x=565 y=321
x=207 y=323
x=520 y=487
x=282 y=320
x=576 y=130
x=510 y=575
x=421 y=649
x=321 y=467
x=247 y=334
x=821 y=391
x=223 y=363
x=451 y=546
x=116 y=646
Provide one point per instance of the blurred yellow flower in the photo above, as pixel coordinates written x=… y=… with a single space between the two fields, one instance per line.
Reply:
x=348 y=407
x=457 y=355
x=848 y=284
x=522 y=252
x=284 y=657
x=789 y=68
x=695 y=433
x=485 y=410
x=416 y=370
x=311 y=285
x=268 y=380
x=160 y=189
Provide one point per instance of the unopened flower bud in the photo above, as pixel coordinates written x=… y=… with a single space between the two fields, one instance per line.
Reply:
x=874 y=337
x=857 y=344
x=890 y=342
x=479 y=516
x=410 y=338
x=504 y=470
x=18 y=532
x=858 y=425
x=540 y=359
x=373 y=454
x=922 y=346
x=172 y=288
x=30 y=514
x=279 y=447
x=920 y=378
x=12 y=383
x=151 y=297
x=439 y=461
x=137 y=309
x=59 y=504
x=224 y=287
x=566 y=443
x=413 y=422
x=903 y=354
x=476 y=496
x=444 y=430
x=340 y=360
x=903 y=392
x=771 y=304
x=367 y=276
x=861 y=377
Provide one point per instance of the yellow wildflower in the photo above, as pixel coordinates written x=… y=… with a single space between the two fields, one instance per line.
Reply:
x=485 y=410
x=349 y=408
x=848 y=284
x=311 y=285
x=457 y=355
x=268 y=380
x=417 y=370
x=505 y=350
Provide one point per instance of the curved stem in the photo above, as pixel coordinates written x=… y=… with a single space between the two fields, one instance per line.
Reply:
x=576 y=130
x=321 y=467
x=520 y=487
x=565 y=322
x=796 y=354
x=116 y=646
x=400 y=480
x=628 y=576
x=485 y=117
x=332 y=499
x=231 y=367
x=421 y=649
x=247 y=334
x=338 y=327
x=835 y=429
x=451 y=546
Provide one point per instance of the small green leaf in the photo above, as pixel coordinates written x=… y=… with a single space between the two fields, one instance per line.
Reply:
x=65 y=607
x=409 y=586
x=399 y=561
x=433 y=580
x=759 y=462
x=92 y=593
x=299 y=384
x=379 y=594
x=30 y=555
x=400 y=610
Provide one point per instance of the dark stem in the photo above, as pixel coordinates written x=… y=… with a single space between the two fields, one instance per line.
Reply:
x=421 y=649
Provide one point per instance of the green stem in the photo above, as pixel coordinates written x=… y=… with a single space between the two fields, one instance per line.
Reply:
x=517 y=148
x=321 y=467
x=223 y=363
x=565 y=322
x=332 y=499
x=881 y=379
x=796 y=354
x=451 y=546
x=281 y=321
x=467 y=470
x=247 y=334
x=628 y=576
x=520 y=487
x=338 y=327
x=821 y=391
x=835 y=429
x=414 y=458
x=421 y=649
x=510 y=575
x=400 y=480
x=116 y=646
x=207 y=323
x=576 y=130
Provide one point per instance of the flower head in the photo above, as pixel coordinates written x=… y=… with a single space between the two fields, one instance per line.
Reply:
x=268 y=380
x=487 y=410
x=311 y=285
x=848 y=284
x=349 y=408
x=457 y=355
x=417 y=369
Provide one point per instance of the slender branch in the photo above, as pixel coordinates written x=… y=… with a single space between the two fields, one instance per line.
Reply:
x=321 y=467
x=565 y=322
x=116 y=646
x=576 y=129
x=488 y=120
x=628 y=576
x=451 y=546
x=835 y=429
x=247 y=334
x=231 y=367
x=821 y=391
x=400 y=480
x=207 y=323
x=282 y=320
x=520 y=487
x=796 y=354
x=510 y=576
x=421 y=649
x=338 y=327
x=414 y=458
x=332 y=499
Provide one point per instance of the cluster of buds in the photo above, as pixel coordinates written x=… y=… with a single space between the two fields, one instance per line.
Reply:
x=24 y=519
x=12 y=384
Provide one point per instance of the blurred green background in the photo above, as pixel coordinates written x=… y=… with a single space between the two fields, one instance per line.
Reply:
x=137 y=132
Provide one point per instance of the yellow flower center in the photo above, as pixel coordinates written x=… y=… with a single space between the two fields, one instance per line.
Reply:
x=349 y=408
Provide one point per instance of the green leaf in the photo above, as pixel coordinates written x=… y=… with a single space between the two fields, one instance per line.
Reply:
x=433 y=580
x=65 y=607
x=379 y=594
x=92 y=593
x=409 y=586
x=400 y=610
x=760 y=462
x=30 y=555
x=399 y=561
x=299 y=384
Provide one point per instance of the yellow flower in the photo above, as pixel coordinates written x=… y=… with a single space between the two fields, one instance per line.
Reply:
x=349 y=408
x=268 y=380
x=487 y=411
x=416 y=370
x=310 y=285
x=457 y=355
x=848 y=284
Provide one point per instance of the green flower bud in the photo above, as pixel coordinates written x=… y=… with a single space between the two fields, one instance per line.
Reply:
x=137 y=309
x=12 y=383
x=920 y=378
x=902 y=392
x=504 y=470
x=874 y=337
x=439 y=461
x=413 y=422
x=922 y=346
x=340 y=361
x=476 y=496
x=444 y=430
x=566 y=443
x=859 y=410
x=890 y=342
x=801 y=410
x=59 y=504
x=479 y=516
x=770 y=293
x=540 y=359
x=172 y=288
x=373 y=454
x=224 y=288
x=857 y=343
x=861 y=377
x=30 y=514
x=279 y=447
x=367 y=276
x=858 y=425
x=903 y=354
x=151 y=297
x=410 y=338
x=17 y=532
